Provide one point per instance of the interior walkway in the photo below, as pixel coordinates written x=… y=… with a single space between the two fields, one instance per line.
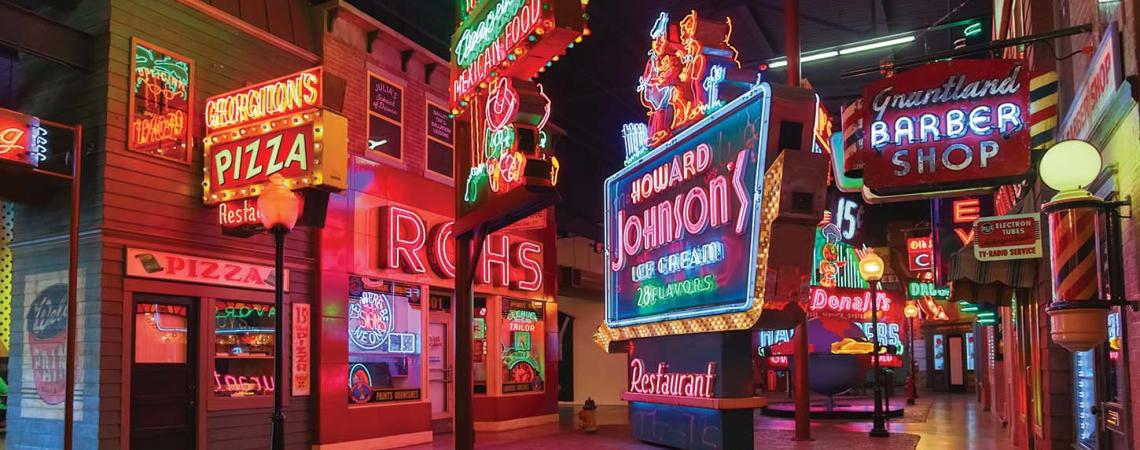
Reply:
x=954 y=422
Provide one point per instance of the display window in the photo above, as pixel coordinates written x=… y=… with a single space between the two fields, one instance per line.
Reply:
x=521 y=338
x=479 y=347
x=384 y=342
x=244 y=334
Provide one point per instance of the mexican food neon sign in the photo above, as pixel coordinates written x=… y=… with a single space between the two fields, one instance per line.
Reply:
x=682 y=224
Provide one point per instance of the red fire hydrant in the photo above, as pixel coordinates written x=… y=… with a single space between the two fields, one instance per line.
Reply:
x=588 y=417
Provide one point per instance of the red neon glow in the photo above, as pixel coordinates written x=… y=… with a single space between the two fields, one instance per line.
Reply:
x=967 y=210
x=673 y=384
x=523 y=250
x=273 y=98
x=439 y=252
x=406 y=236
x=495 y=253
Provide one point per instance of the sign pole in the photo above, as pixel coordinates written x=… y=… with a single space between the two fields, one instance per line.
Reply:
x=800 y=347
x=468 y=246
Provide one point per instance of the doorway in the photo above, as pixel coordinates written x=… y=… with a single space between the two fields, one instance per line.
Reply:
x=438 y=348
x=164 y=382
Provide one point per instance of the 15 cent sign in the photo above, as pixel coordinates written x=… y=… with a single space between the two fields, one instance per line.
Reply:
x=1008 y=237
x=947 y=125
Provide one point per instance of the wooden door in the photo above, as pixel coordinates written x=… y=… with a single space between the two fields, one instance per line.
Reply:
x=164 y=383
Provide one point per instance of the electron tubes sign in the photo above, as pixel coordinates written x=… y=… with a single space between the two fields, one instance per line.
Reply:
x=947 y=125
x=681 y=224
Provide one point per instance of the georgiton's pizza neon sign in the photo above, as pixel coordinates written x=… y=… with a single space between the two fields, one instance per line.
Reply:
x=682 y=225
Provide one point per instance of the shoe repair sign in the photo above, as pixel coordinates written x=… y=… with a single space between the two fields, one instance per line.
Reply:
x=1008 y=237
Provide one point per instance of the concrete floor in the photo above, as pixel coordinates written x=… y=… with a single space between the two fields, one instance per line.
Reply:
x=955 y=422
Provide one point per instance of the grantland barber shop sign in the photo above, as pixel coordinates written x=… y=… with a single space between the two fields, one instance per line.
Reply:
x=947 y=125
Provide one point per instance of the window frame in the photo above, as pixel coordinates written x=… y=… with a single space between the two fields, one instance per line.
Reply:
x=368 y=113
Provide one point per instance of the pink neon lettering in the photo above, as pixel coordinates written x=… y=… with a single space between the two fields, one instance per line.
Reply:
x=406 y=235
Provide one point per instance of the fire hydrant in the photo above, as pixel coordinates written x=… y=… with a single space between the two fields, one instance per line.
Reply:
x=588 y=417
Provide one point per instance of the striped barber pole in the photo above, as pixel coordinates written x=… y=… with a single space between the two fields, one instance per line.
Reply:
x=1042 y=110
x=852 y=122
x=1073 y=254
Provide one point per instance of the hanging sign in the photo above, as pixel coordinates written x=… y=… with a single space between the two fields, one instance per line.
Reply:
x=1094 y=94
x=947 y=125
x=22 y=139
x=682 y=224
x=1008 y=237
x=270 y=128
x=193 y=269
x=301 y=349
x=161 y=104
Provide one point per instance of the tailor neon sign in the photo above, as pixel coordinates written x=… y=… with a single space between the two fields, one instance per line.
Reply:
x=947 y=125
x=686 y=212
x=507 y=261
x=274 y=98
x=662 y=382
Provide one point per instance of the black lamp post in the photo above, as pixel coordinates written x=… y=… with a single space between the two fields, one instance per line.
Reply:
x=278 y=208
x=871 y=268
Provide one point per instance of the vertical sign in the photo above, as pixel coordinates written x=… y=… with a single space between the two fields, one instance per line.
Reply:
x=301 y=349
x=160 y=110
x=954 y=228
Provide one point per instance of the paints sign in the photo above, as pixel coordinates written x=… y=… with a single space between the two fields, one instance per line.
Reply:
x=193 y=269
x=682 y=224
x=1008 y=237
x=947 y=125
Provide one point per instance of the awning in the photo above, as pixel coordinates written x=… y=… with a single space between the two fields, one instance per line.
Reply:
x=990 y=282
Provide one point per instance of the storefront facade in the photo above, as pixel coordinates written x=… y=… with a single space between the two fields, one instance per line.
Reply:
x=177 y=317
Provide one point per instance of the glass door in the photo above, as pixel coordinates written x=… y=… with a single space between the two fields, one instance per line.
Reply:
x=164 y=383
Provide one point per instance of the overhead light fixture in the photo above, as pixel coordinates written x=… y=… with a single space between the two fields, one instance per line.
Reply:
x=874 y=45
x=846 y=50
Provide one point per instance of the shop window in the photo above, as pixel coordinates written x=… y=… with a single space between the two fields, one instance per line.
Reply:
x=522 y=331
x=244 y=334
x=440 y=141
x=160 y=334
x=479 y=348
x=385 y=117
x=384 y=342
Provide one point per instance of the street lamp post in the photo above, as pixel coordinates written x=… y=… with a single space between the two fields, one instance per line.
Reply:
x=278 y=208
x=871 y=268
x=911 y=312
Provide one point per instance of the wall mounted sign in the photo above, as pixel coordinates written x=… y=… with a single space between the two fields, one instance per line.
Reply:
x=920 y=254
x=270 y=128
x=1094 y=94
x=1008 y=237
x=947 y=125
x=512 y=38
x=407 y=243
x=953 y=224
x=682 y=224
x=301 y=348
x=160 y=111
x=659 y=381
x=22 y=139
x=193 y=269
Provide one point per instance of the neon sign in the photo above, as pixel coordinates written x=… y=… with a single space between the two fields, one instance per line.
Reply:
x=506 y=261
x=160 y=113
x=515 y=38
x=662 y=382
x=274 y=98
x=947 y=125
x=687 y=211
x=369 y=320
x=678 y=86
